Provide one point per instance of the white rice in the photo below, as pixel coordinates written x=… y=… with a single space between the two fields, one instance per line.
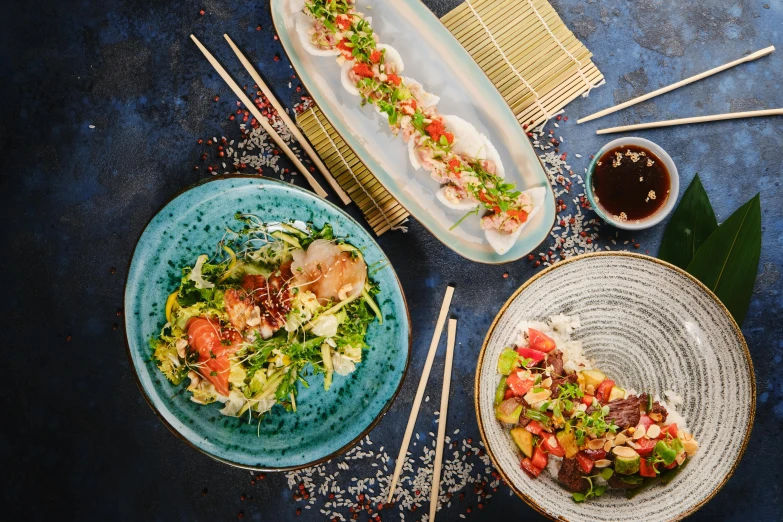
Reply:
x=559 y=328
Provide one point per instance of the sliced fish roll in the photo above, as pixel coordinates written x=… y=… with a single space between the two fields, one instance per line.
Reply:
x=502 y=243
x=425 y=99
x=305 y=29
x=448 y=196
x=392 y=57
x=345 y=76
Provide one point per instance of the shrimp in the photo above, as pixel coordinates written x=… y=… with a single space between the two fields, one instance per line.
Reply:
x=328 y=271
x=214 y=346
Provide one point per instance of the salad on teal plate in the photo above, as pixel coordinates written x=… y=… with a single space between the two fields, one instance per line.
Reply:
x=266 y=326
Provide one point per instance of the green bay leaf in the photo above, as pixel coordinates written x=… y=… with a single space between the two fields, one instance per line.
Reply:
x=691 y=224
x=728 y=260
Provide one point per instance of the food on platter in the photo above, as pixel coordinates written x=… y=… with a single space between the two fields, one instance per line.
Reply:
x=570 y=418
x=279 y=302
x=459 y=157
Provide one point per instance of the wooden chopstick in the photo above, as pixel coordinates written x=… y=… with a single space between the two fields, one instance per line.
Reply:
x=695 y=119
x=265 y=124
x=289 y=123
x=425 y=375
x=668 y=88
x=442 y=416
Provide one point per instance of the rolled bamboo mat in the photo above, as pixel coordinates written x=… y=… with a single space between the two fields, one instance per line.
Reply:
x=523 y=46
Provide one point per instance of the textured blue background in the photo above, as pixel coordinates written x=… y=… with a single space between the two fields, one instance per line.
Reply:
x=78 y=440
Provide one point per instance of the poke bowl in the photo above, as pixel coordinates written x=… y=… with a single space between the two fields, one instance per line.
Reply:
x=628 y=352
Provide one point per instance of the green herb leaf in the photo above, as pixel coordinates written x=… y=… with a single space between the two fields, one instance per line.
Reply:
x=728 y=260
x=578 y=497
x=607 y=473
x=691 y=224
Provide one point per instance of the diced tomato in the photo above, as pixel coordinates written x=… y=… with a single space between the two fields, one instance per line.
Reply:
x=529 y=353
x=207 y=338
x=540 y=458
x=595 y=454
x=363 y=70
x=672 y=429
x=343 y=22
x=518 y=385
x=528 y=466
x=509 y=393
x=646 y=421
x=552 y=446
x=534 y=427
x=646 y=469
x=645 y=446
x=519 y=214
x=394 y=79
x=376 y=56
x=603 y=391
x=585 y=462
x=670 y=466
x=587 y=400
x=540 y=341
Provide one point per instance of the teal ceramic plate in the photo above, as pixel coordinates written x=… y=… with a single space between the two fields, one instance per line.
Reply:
x=435 y=58
x=326 y=423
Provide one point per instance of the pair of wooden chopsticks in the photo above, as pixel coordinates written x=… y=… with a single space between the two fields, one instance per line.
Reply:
x=283 y=115
x=444 y=404
x=683 y=121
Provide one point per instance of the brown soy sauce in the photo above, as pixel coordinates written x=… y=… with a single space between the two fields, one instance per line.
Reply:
x=631 y=183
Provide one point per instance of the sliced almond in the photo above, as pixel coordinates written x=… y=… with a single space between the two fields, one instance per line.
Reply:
x=691 y=447
x=620 y=439
x=653 y=431
x=632 y=444
x=684 y=435
x=547 y=383
x=590 y=389
x=533 y=397
x=656 y=417
x=609 y=445
x=595 y=444
x=625 y=452
x=602 y=463
x=611 y=436
x=639 y=432
x=582 y=407
x=680 y=459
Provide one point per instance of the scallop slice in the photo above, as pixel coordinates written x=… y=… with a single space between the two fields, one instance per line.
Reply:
x=467 y=140
x=346 y=79
x=463 y=205
x=492 y=154
x=413 y=154
x=303 y=25
x=502 y=243
x=392 y=56
x=424 y=98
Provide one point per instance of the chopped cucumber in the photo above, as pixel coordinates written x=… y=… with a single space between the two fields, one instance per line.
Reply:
x=523 y=440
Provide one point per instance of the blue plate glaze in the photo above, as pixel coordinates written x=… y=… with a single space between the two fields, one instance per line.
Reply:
x=434 y=57
x=326 y=423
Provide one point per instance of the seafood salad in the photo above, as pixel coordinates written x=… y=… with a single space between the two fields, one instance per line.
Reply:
x=278 y=302
x=455 y=154
x=568 y=417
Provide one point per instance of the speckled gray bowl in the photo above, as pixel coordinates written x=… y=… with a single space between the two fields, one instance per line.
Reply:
x=651 y=327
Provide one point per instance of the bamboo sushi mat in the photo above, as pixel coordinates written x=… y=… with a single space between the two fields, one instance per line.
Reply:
x=523 y=46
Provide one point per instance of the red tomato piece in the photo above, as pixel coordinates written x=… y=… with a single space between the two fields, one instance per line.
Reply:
x=528 y=466
x=646 y=469
x=540 y=458
x=646 y=421
x=585 y=462
x=672 y=429
x=552 y=446
x=645 y=446
x=595 y=454
x=603 y=391
x=509 y=393
x=670 y=466
x=587 y=400
x=540 y=341
x=206 y=337
x=518 y=385
x=534 y=427
x=529 y=353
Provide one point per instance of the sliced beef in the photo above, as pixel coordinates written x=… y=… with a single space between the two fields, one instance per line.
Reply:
x=556 y=383
x=524 y=420
x=616 y=481
x=555 y=360
x=570 y=475
x=656 y=407
x=622 y=412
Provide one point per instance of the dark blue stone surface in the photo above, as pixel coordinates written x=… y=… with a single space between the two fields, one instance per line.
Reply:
x=77 y=439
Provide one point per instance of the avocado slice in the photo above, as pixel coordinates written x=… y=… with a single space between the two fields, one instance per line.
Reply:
x=523 y=439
